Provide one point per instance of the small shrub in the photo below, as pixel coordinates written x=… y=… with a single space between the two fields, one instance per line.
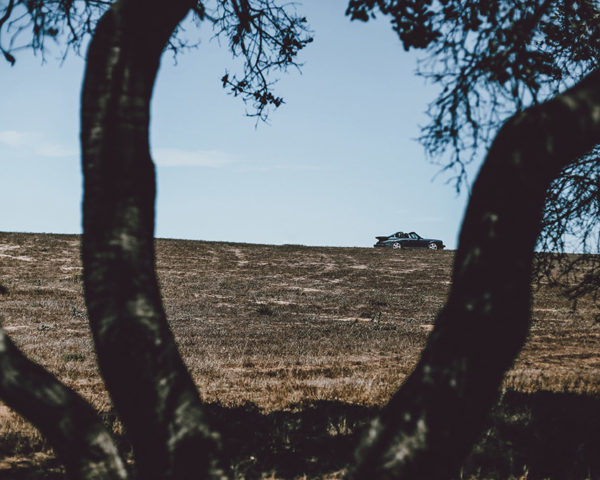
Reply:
x=264 y=309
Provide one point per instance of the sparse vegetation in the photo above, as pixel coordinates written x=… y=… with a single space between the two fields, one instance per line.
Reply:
x=300 y=346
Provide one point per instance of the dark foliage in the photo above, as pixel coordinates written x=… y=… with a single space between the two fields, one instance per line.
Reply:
x=266 y=37
x=571 y=224
x=31 y=24
x=491 y=60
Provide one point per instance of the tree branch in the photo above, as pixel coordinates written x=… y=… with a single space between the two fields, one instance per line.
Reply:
x=70 y=424
x=7 y=12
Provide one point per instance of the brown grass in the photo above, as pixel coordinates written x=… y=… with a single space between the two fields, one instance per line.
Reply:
x=274 y=326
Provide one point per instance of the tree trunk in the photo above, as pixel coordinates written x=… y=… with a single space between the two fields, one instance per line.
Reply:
x=150 y=386
x=70 y=424
x=430 y=424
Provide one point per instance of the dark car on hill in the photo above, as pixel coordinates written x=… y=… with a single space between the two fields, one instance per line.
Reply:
x=409 y=240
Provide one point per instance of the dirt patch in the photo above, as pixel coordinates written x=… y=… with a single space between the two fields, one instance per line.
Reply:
x=21 y=258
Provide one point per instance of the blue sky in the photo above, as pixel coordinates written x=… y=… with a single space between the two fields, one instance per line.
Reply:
x=336 y=165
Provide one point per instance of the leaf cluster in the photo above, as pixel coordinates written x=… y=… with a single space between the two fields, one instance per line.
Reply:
x=267 y=37
x=490 y=59
x=31 y=24
x=571 y=224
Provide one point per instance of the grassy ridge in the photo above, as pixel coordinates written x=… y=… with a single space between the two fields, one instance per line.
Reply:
x=273 y=333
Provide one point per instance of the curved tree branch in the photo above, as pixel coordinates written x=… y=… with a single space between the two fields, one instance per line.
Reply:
x=432 y=421
x=151 y=388
x=70 y=424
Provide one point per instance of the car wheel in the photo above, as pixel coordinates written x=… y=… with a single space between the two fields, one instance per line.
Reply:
x=396 y=245
x=433 y=246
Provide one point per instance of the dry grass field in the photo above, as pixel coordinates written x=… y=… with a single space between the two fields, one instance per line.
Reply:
x=297 y=347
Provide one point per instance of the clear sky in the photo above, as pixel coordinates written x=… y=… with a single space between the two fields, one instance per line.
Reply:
x=336 y=165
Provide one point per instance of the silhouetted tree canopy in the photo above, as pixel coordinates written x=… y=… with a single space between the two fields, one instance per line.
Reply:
x=267 y=37
x=492 y=60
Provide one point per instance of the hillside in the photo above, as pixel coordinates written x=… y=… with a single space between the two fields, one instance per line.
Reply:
x=276 y=327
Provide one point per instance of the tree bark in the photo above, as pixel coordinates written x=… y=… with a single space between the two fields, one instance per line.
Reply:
x=76 y=433
x=150 y=386
x=430 y=424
